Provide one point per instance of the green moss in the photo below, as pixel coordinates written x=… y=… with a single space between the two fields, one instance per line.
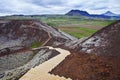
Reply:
x=36 y=44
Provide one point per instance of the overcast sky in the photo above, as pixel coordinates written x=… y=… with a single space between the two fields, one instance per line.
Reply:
x=29 y=7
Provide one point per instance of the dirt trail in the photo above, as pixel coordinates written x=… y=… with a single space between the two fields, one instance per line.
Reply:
x=41 y=72
x=49 y=35
x=47 y=39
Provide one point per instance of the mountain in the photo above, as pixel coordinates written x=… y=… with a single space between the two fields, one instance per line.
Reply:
x=77 y=13
x=109 y=13
x=22 y=45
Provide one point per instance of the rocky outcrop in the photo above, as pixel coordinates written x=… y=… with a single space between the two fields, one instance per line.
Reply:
x=11 y=50
x=73 y=45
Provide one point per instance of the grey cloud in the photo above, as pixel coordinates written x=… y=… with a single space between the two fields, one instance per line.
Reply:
x=56 y=6
x=99 y=8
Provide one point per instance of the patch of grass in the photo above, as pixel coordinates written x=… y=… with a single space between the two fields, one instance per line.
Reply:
x=83 y=32
x=36 y=44
x=51 y=24
x=88 y=30
x=77 y=35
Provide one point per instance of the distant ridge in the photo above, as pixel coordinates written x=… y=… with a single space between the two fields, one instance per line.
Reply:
x=108 y=15
x=78 y=13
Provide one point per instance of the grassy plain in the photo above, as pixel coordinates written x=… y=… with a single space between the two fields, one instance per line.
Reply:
x=76 y=26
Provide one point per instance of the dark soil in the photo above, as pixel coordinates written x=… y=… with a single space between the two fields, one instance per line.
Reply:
x=84 y=66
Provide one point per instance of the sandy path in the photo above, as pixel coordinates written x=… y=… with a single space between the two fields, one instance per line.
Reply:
x=41 y=72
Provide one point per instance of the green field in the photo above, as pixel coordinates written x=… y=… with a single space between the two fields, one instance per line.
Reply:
x=76 y=26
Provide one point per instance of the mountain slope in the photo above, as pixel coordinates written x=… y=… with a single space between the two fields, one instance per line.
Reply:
x=22 y=46
x=105 y=42
x=26 y=32
x=96 y=58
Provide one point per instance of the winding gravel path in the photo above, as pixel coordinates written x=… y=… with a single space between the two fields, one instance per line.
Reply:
x=41 y=72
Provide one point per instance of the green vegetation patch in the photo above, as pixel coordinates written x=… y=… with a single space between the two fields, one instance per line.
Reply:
x=81 y=33
x=88 y=30
x=36 y=44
